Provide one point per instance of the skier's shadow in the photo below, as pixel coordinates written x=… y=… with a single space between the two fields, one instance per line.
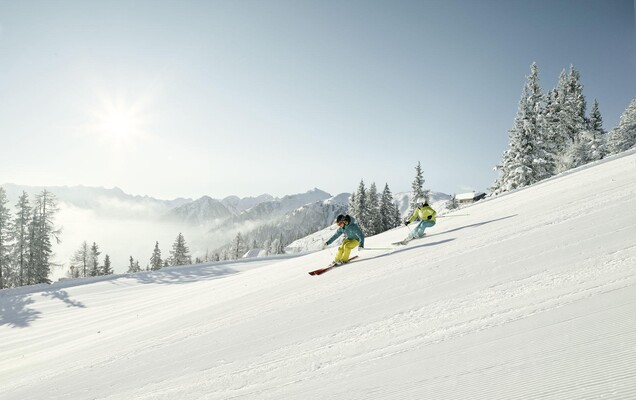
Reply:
x=473 y=225
x=409 y=248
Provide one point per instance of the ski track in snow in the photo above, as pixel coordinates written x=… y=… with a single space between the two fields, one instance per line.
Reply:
x=531 y=296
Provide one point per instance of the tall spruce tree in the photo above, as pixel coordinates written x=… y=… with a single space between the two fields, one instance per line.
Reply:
x=108 y=269
x=525 y=162
x=623 y=137
x=81 y=260
x=597 y=135
x=131 y=265
x=42 y=230
x=572 y=123
x=5 y=241
x=358 y=207
x=180 y=254
x=93 y=260
x=417 y=187
x=238 y=246
x=388 y=210
x=21 y=238
x=374 y=220
x=155 y=260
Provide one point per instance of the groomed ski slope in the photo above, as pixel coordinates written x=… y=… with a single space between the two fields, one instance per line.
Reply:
x=530 y=296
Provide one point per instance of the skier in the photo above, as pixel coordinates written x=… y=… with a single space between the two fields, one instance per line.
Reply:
x=427 y=219
x=353 y=237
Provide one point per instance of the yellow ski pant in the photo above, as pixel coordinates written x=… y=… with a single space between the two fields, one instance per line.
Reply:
x=345 y=248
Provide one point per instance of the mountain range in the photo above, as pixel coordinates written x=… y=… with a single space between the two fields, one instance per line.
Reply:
x=94 y=214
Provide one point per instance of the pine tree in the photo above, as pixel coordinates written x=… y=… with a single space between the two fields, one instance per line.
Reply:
x=418 y=191
x=374 y=221
x=93 y=260
x=5 y=241
x=555 y=139
x=397 y=218
x=21 y=238
x=525 y=162
x=107 y=269
x=180 y=254
x=623 y=137
x=81 y=260
x=238 y=246
x=387 y=210
x=359 y=208
x=352 y=206
x=131 y=265
x=598 y=136
x=41 y=230
x=572 y=122
x=155 y=259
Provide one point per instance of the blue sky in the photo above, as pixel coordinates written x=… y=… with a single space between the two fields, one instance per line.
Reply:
x=190 y=98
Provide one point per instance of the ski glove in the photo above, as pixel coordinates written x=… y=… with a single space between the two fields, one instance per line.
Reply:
x=407 y=223
x=429 y=217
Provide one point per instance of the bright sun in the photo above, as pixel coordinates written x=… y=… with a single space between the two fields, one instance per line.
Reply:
x=118 y=122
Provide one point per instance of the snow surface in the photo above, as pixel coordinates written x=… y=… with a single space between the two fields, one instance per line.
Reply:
x=530 y=296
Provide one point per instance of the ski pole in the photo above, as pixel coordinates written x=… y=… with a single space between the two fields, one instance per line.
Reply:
x=455 y=215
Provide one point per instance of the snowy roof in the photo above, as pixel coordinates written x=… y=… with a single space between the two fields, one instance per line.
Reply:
x=253 y=253
x=467 y=196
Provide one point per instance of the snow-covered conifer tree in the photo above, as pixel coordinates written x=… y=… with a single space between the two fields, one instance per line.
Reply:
x=155 y=260
x=398 y=216
x=418 y=191
x=238 y=246
x=108 y=269
x=374 y=221
x=131 y=265
x=525 y=162
x=180 y=254
x=93 y=260
x=572 y=122
x=358 y=206
x=81 y=260
x=388 y=210
x=597 y=135
x=623 y=137
x=5 y=241
x=41 y=231
x=21 y=238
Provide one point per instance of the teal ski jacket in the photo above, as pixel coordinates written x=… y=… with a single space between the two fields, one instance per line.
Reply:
x=351 y=231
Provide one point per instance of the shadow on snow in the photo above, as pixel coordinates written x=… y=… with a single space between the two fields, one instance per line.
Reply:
x=15 y=313
x=182 y=275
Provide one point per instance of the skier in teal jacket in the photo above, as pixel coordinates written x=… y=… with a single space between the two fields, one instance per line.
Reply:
x=353 y=237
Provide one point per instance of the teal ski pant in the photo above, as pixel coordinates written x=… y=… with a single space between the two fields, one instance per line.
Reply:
x=418 y=232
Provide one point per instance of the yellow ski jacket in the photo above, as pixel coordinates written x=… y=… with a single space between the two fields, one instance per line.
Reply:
x=424 y=213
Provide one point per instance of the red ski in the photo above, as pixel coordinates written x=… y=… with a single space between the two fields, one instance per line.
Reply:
x=323 y=270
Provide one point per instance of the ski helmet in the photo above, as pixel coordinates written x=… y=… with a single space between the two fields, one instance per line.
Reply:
x=340 y=218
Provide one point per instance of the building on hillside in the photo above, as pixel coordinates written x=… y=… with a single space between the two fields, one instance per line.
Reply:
x=469 y=198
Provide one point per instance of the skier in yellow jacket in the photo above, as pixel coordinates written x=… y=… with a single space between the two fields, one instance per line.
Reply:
x=427 y=219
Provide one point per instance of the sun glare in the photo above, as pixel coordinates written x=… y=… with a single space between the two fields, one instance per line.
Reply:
x=119 y=123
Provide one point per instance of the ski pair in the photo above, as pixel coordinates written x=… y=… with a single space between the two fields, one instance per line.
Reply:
x=332 y=265
x=402 y=242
